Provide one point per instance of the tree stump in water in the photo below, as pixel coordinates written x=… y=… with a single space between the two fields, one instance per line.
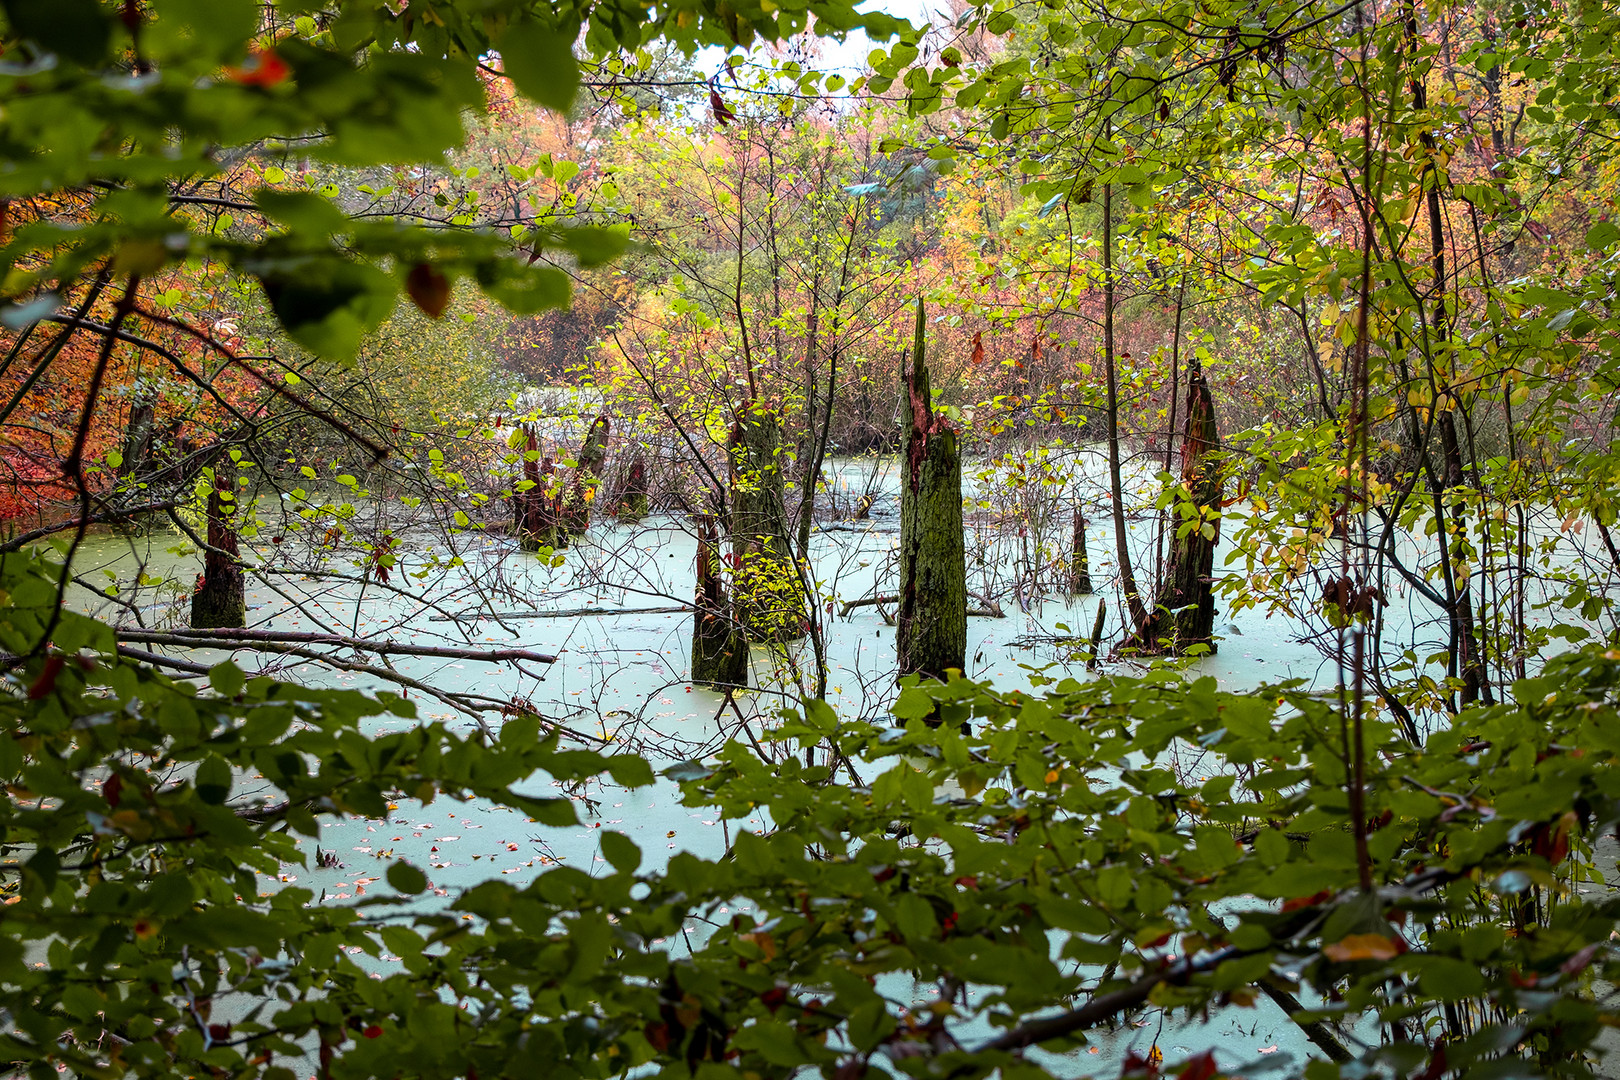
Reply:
x=574 y=514
x=534 y=511
x=632 y=501
x=770 y=602
x=719 y=650
x=221 y=598
x=1185 y=614
x=931 y=638
x=1079 y=559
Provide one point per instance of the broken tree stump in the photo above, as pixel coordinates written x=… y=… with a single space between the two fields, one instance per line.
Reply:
x=220 y=600
x=1184 y=618
x=632 y=500
x=1079 y=558
x=719 y=650
x=574 y=512
x=534 y=509
x=931 y=639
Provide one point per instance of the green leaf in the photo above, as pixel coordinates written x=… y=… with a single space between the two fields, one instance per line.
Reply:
x=226 y=679
x=213 y=780
x=1601 y=235
x=79 y=30
x=541 y=64
x=407 y=878
x=621 y=851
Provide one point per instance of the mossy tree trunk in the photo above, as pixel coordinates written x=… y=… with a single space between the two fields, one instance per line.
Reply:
x=719 y=650
x=221 y=597
x=1184 y=617
x=770 y=601
x=931 y=639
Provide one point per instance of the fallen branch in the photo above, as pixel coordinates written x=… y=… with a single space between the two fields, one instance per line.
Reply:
x=572 y=613
x=232 y=638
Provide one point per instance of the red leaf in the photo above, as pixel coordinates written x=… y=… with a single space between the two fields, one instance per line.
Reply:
x=1437 y=1063
x=429 y=289
x=260 y=69
x=1201 y=1067
x=722 y=112
x=112 y=789
x=1307 y=901
x=47 y=679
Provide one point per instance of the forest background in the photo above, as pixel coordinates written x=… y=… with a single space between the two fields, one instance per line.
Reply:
x=1330 y=284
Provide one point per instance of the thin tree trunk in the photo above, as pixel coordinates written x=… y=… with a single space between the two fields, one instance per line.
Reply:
x=1127 y=575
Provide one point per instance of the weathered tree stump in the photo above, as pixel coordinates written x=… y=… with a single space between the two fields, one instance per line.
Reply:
x=632 y=500
x=770 y=601
x=719 y=650
x=574 y=513
x=931 y=639
x=534 y=510
x=1184 y=617
x=220 y=600
x=1079 y=558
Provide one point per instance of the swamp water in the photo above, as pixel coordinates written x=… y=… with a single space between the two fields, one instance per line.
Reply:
x=620 y=677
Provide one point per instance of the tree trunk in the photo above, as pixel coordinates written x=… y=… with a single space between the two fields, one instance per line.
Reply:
x=221 y=598
x=719 y=650
x=931 y=638
x=632 y=502
x=1079 y=559
x=770 y=604
x=1184 y=617
x=1127 y=574
x=574 y=515
x=534 y=513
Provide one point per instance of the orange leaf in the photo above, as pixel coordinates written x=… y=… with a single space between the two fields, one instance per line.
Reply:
x=1364 y=947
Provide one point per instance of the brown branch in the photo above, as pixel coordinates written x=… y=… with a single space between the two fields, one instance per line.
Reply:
x=224 y=637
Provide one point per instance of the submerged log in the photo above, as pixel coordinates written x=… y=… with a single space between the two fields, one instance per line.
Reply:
x=221 y=597
x=1079 y=559
x=770 y=601
x=931 y=639
x=1184 y=618
x=719 y=650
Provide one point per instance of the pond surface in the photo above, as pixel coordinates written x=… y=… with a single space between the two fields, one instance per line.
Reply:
x=620 y=679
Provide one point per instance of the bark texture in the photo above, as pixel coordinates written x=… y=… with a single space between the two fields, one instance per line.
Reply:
x=931 y=635
x=574 y=514
x=632 y=501
x=221 y=598
x=719 y=650
x=1185 y=614
x=1079 y=558
x=770 y=602
x=534 y=513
